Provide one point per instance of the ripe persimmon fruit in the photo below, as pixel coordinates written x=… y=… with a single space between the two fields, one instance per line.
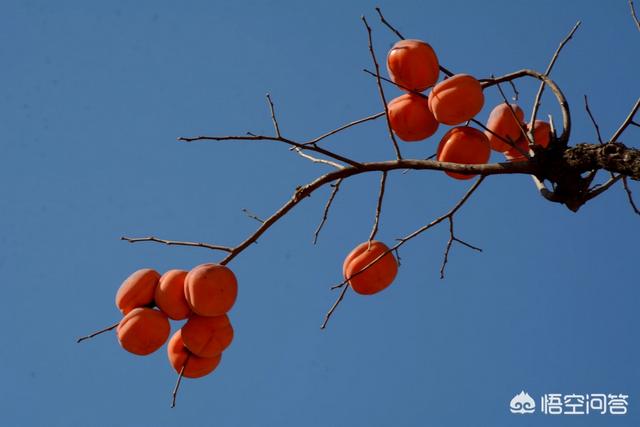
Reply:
x=207 y=336
x=194 y=366
x=456 y=99
x=464 y=145
x=503 y=123
x=413 y=65
x=170 y=297
x=138 y=290
x=410 y=117
x=210 y=289
x=378 y=276
x=143 y=330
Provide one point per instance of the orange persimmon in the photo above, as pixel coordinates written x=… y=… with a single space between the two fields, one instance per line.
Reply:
x=376 y=277
x=194 y=366
x=456 y=99
x=210 y=289
x=413 y=65
x=503 y=123
x=410 y=117
x=464 y=145
x=541 y=137
x=170 y=297
x=143 y=330
x=207 y=336
x=541 y=133
x=138 y=290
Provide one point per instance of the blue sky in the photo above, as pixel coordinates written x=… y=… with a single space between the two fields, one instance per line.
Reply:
x=95 y=95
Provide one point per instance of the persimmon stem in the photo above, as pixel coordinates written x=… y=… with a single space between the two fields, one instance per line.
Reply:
x=174 y=394
x=101 y=331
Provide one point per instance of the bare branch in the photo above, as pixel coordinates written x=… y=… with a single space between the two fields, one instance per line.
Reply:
x=628 y=121
x=536 y=102
x=272 y=110
x=333 y=307
x=252 y=137
x=325 y=213
x=251 y=215
x=593 y=120
x=633 y=15
x=601 y=189
x=101 y=331
x=380 y=90
x=630 y=195
x=383 y=182
x=176 y=243
x=516 y=94
x=341 y=128
x=318 y=160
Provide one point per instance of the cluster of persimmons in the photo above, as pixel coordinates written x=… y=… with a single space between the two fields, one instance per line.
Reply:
x=201 y=296
x=413 y=66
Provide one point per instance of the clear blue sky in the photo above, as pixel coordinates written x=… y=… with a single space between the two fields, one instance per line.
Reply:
x=93 y=97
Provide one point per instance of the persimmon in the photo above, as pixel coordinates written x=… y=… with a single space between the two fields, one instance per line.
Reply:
x=194 y=366
x=410 y=117
x=413 y=65
x=138 y=290
x=541 y=133
x=143 y=330
x=464 y=145
x=374 y=278
x=503 y=123
x=169 y=296
x=456 y=99
x=210 y=289
x=207 y=336
x=541 y=137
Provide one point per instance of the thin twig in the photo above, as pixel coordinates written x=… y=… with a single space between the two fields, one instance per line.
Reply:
x=633 y=15
x=341 y=128
x=593 y=120
x=251 y=215
x=333 y=307
x=383 y=182
x=628 y=121
x=101 y=331
x=176 y=243
x=325 y=213
x=516 y=94
x=380 y=90
x=174 y=394
x=601 y=189
x=630 y=195
x=317 y=160
x=272 y=110
x=536 y=102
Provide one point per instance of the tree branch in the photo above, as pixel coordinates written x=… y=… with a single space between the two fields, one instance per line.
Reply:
x=325 y=213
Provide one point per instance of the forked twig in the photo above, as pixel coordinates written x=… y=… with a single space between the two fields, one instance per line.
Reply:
x=453 y=238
